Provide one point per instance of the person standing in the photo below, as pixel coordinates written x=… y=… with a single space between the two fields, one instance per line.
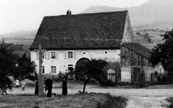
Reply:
x=48 y=87
x=64 y=85
x=23 y=83
x=36 y=88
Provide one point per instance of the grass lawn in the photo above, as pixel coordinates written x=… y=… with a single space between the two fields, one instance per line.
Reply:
x=91 y=100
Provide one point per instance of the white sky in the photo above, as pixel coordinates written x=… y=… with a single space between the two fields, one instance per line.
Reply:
x=17 y=15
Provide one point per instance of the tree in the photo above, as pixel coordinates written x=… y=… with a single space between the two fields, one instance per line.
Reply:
x=86 y=70
x=24 y=69
x=116 y=66
x=82 y=71
x=64 y=85
x=64 y=78
x=99 y=70
x=7 y=65
x=48 y=85
x=163 y=53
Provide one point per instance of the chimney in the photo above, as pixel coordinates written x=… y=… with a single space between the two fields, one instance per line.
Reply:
x=68 y=12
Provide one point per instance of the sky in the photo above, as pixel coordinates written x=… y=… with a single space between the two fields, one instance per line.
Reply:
x=19 y=15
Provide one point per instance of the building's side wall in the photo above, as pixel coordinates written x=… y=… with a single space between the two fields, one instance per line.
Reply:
x=125 y=62
x=62 y=61
x=128 y=31
x=130 y=60
x=148 y=71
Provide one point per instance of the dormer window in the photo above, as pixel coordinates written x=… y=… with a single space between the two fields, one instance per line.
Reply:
x=70 y=54
x=53 y=55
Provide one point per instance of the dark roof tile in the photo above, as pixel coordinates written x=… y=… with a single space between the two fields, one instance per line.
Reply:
x=81 y=31
x=138 y=48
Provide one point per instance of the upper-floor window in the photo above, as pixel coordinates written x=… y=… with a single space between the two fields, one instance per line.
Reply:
x=53 y=69
x=70 y=54
x=53 y=55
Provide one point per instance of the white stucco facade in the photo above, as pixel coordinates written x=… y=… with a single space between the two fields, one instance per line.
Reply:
x=62 y=60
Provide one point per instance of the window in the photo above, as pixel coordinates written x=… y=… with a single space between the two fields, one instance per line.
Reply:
x=53 y=69
x=70 y=68
x=53 y=55
x=111 y=75
x=139 y=60
x=70 y=54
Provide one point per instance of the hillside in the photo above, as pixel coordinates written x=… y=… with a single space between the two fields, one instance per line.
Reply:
x=152 y=14
x=19 y=37
x=149 y=37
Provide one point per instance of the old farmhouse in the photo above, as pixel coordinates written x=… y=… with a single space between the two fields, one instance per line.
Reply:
x=66 y=39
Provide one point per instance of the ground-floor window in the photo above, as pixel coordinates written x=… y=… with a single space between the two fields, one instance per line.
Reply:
x=70 y=68
x=53 y=69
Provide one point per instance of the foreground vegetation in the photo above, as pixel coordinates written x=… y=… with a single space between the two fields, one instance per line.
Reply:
x=170 y=100
x=73 y=101
x=163 y=53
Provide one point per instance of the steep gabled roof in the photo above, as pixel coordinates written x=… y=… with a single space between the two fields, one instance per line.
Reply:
x=138 y=48
x=81 y=31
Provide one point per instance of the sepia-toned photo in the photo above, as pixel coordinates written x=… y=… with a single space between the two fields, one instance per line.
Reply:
x=86 y=54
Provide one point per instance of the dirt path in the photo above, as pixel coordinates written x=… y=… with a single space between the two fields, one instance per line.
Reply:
x=142 y=98
x=147 y=102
